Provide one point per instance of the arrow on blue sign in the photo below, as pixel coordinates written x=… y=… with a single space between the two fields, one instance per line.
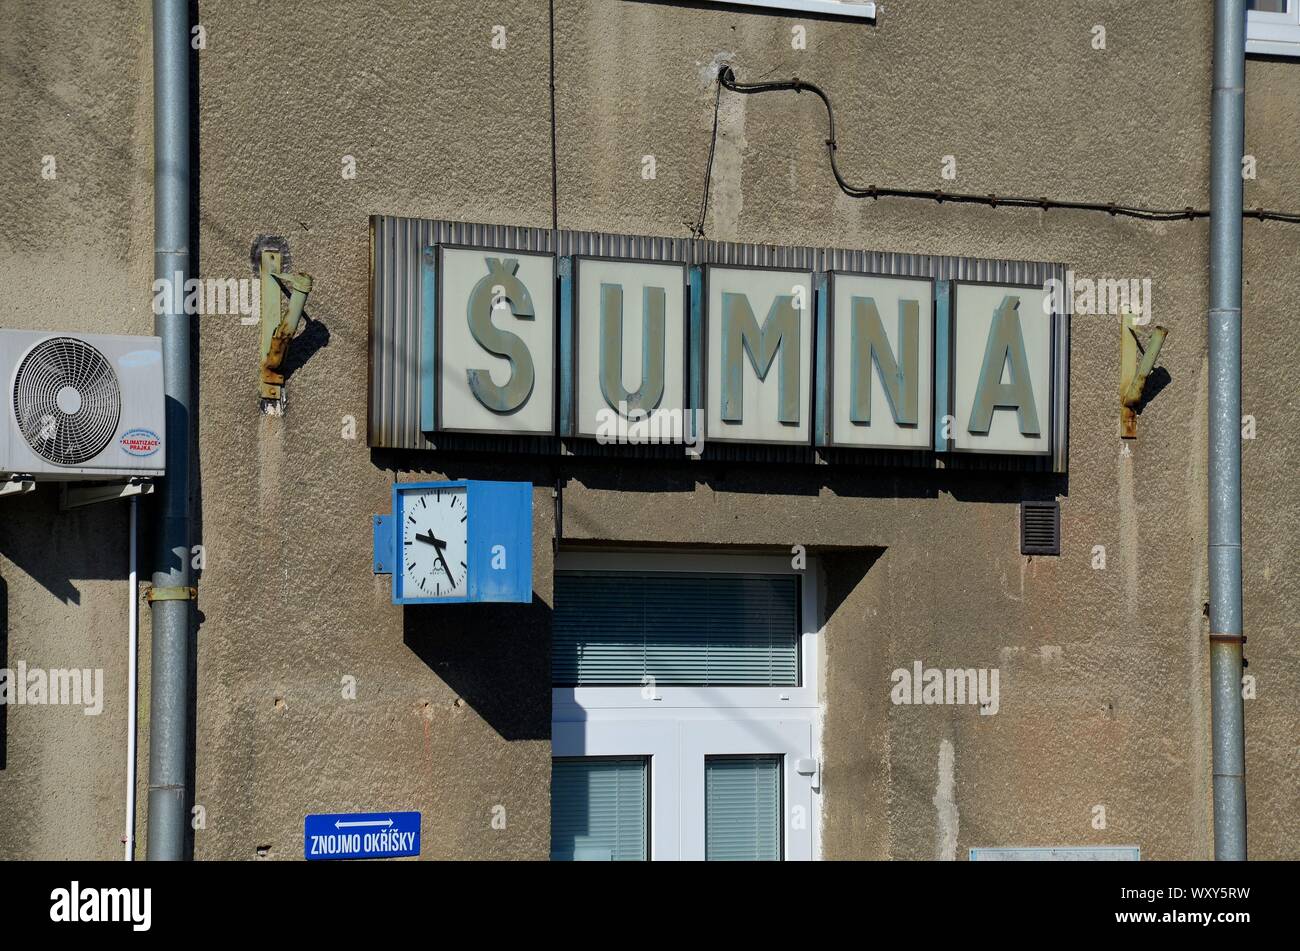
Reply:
x=361 y=835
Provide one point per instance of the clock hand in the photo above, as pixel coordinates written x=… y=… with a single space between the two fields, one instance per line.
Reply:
x=438 y=548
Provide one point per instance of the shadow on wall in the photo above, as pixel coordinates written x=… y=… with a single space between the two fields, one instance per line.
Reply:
x=496 y=657
x=1008 y=481
x=312 y=337
x=846 y=480
x=1156 y=382
x=843 y=570
x=54 y=546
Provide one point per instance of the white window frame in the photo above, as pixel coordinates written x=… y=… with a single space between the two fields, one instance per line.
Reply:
x=676 y=727
x=1274 y=34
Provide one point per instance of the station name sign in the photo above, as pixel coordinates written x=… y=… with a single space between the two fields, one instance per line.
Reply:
x=581 y=346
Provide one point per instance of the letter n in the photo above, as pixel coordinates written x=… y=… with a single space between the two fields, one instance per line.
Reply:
x=869 y=346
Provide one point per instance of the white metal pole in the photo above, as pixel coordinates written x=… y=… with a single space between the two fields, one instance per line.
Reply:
x=133 y=627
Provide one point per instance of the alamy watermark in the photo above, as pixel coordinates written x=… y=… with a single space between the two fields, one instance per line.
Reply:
x=35 y=686
x=1104 y=295
x=83 y=904
x=207 y=295
x=660 y=427
x=953 y=685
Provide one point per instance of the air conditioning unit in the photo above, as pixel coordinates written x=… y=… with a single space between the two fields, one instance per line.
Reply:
x=81 y=406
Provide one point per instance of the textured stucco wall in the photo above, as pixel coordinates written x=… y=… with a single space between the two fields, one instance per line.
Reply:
x=75 y=254
x=1103 y=673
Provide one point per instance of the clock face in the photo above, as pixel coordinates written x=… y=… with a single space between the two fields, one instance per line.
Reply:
x=434 y=542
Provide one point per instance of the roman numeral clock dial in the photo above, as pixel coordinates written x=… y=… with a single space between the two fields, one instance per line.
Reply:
x=435 y=542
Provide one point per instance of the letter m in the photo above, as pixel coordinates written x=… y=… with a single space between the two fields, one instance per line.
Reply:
x=741 y=334
x=222 y=297
x=117 y=904
x=65 y=686
x=1113 y=295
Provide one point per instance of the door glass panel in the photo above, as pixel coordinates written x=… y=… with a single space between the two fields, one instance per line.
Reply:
x=742 y=808
x=598 y=809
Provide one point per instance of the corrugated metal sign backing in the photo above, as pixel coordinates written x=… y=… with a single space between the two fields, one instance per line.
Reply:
x=395 y=300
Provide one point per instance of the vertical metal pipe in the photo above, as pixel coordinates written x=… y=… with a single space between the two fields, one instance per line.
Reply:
x=1228 y=112
x=169 y=696
x=133 y=653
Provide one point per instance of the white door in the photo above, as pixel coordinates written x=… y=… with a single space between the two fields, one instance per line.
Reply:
x=687 y=728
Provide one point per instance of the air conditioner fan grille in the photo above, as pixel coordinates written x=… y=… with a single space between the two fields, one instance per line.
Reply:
x=66 y=400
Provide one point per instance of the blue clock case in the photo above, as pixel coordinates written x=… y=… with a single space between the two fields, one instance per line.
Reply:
x=500 y=515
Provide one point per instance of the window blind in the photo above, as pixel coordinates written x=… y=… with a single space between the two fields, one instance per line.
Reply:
x=598 y=810
x=616 y=628
x=742 y=808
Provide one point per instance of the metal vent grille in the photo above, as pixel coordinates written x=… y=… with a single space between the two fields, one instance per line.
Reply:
x=66 y=400
x=1040 y=528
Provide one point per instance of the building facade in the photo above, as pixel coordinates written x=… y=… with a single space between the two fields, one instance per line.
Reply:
x=835 y=583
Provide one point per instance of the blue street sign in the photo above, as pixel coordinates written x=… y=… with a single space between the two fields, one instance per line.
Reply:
x=361 y=835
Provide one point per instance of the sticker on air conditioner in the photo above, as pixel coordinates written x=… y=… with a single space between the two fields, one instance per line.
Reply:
x=140 y=442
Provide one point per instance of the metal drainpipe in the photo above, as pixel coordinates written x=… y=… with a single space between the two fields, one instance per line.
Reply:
x=1228 y=119
x=169 y=697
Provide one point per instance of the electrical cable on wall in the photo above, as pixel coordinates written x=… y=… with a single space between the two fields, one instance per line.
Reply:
x=727 y=79
x=708 y=170
x=555 y=185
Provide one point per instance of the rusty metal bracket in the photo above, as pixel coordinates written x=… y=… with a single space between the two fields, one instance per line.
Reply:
x=1133 y=372
x=277 y=327
x=152 y=594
